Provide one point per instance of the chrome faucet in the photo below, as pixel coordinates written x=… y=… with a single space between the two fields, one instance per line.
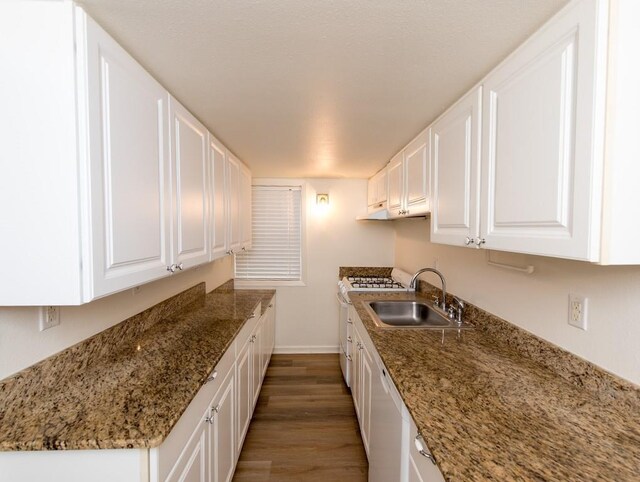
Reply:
x=458 y=310
x=414 y=282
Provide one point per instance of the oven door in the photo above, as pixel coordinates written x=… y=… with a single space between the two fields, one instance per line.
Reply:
x=343 y=307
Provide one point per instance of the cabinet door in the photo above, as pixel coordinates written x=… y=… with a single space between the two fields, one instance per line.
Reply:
x=381 y=187
x=265 y=343
x=416 y=160
x=245 y=393
x=366 y=373
x=222 y=448
x=233 y=184
x=455 y=161
x=421 y=468
x=245 y=207
x=129 y=169
x=217 y=199
x=542 y=150
x=372 y=194
x=396 y=186
x=356 y=375
x=190 y=187
x=192 y=464
x=256 y=363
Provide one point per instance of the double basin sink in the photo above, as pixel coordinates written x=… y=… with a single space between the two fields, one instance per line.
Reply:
x=411 y=314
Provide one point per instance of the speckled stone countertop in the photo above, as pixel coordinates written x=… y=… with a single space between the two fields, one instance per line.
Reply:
x=488 y=410
x=127 y=386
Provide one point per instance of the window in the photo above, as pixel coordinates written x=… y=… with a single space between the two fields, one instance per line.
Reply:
x=277 y=236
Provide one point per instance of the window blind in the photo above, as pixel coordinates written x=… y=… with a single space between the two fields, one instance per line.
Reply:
x=276 y=236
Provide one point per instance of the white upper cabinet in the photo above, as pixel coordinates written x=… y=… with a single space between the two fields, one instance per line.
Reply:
x=395 y=179
x=235 y=223
x=559 y=144
x=542 y=147
x=128 y=167
x=377 y=191
x=218 y=206
x=408 y=179
x=416 y=172
x=189 y=140
x=245 y=208
x=118 y=189
x=455 y=164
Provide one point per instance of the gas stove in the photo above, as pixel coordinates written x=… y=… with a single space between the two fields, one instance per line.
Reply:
x=372 y=283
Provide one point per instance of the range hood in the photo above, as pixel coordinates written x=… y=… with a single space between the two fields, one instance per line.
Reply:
x=383 y=215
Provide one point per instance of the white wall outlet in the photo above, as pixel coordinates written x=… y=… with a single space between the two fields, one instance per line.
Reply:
x=578 y=311
x=49 y=317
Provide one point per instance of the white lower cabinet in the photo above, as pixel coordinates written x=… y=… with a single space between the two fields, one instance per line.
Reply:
x=389 y=435
x=362 y=382
x=203 y=446
x=421 y=467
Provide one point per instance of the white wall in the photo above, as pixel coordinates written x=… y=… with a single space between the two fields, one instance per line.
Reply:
x=539 y=302
x=307 y=316
x=22 y=344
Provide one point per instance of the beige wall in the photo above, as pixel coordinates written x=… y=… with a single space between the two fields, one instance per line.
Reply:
x=22 y=344
x=307 y=316
x=539 y=302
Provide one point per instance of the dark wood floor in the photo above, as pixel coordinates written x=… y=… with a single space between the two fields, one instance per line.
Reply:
x=304 y=427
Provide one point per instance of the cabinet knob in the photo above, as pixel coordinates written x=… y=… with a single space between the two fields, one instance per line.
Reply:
x=244 y=248
x=209 y=419
x=180 y=266
x=216 y=409
x=171 y=268
x=468 y=241
x=349 y=339
x=349 y=357
x=212 y=377
x=479 y=241
x=420 y=447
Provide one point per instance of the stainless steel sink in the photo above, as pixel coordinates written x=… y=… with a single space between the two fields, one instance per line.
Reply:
x=410 y=314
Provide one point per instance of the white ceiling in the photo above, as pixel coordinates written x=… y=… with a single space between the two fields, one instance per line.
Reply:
x=319 y=88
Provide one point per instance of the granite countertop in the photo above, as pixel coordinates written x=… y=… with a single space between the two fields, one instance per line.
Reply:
x=488 y=411
x=128 y=386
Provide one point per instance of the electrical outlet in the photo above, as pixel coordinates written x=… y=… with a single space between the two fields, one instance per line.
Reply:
x=135 y=290
x=49 y=317
x=578 y=311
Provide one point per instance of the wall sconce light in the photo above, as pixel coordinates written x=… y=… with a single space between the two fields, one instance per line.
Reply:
x=322 y=199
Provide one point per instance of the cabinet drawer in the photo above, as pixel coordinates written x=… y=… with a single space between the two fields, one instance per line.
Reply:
x=247 y=329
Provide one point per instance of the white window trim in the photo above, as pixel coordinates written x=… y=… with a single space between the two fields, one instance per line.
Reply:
x=258 y=284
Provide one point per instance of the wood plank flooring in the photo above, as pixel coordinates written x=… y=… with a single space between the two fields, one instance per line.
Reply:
x=304 y=427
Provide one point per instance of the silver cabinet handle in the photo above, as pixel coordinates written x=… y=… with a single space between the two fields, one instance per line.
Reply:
x=349 y=339
x=212 y=377
x=349 y=321
x=349 y=357
x=468 y=241
x=418 y=443
x=179 y=266
x=244 y=249
x=216 y=409
x=479 y=241
x=172 y=268
x=252 y=315
x=271 y=305
x=209 y=419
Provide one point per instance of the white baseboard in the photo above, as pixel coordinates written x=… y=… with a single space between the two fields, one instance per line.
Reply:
x=287 y=350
